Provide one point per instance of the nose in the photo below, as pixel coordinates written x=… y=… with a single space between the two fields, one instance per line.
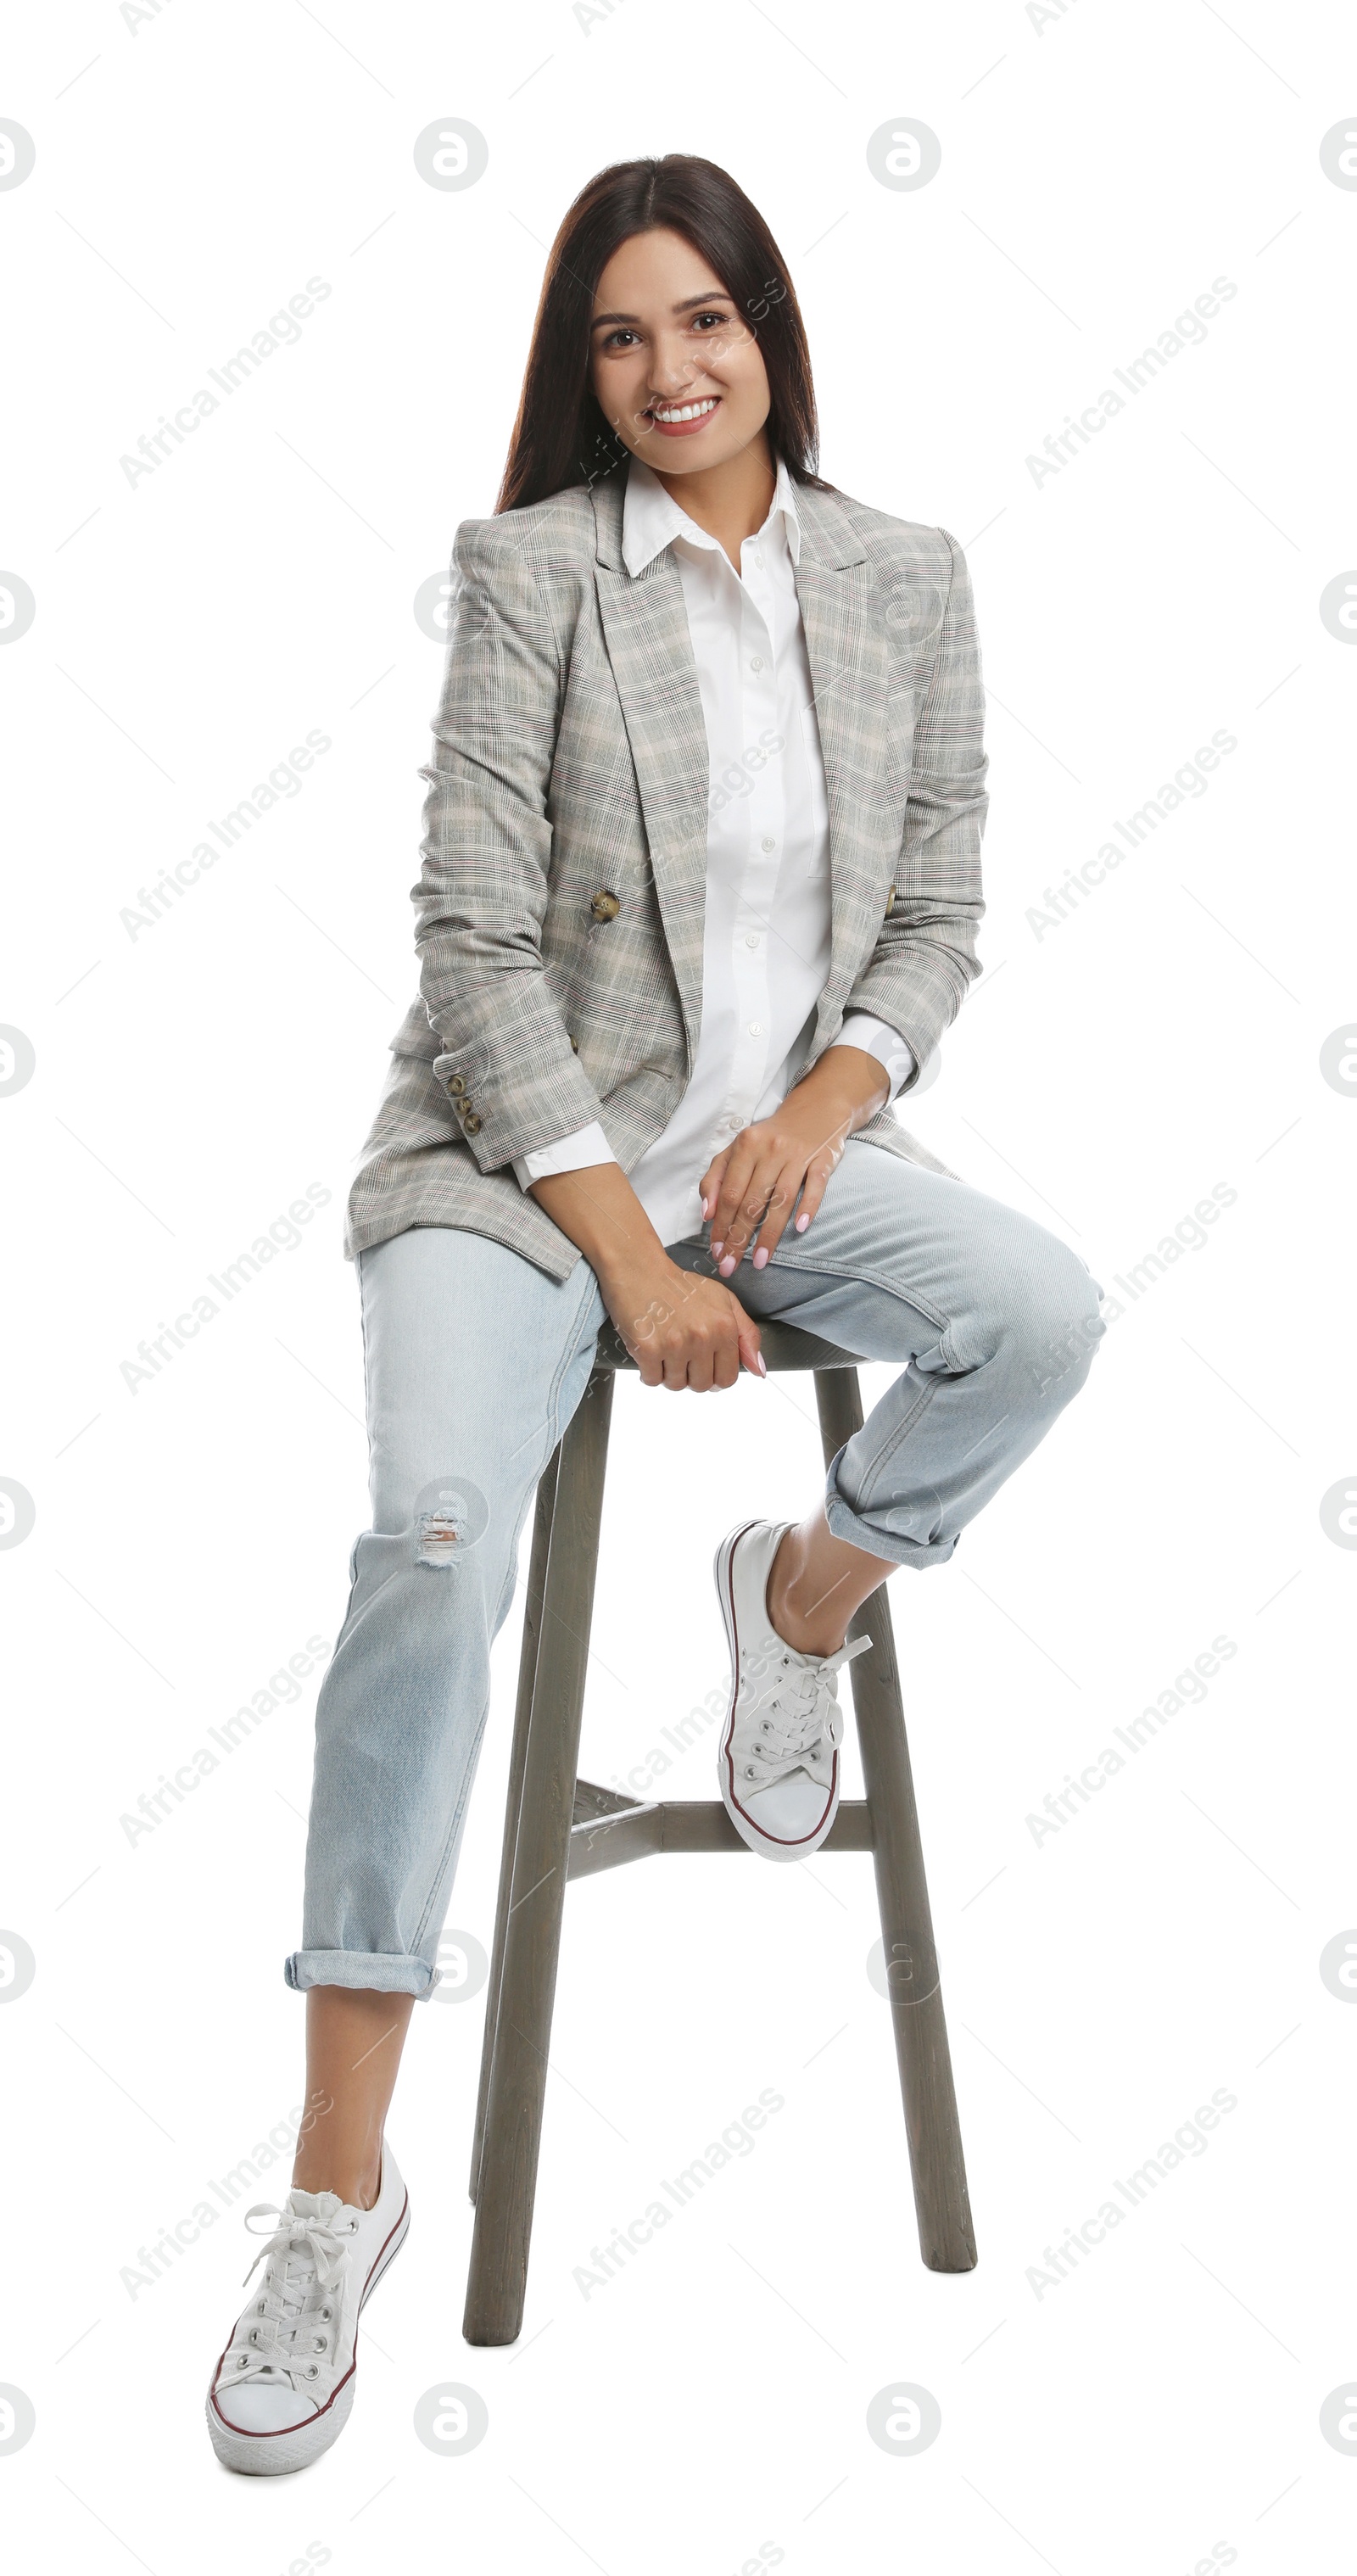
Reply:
x=671 y=368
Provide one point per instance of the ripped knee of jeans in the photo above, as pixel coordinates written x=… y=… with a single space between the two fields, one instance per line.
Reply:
x=450 y=1516
x=440 y=1535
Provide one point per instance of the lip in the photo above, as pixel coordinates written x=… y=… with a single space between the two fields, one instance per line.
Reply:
x=686 y=428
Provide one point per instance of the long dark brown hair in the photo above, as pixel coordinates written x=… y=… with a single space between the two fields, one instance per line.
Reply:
x=560 y=436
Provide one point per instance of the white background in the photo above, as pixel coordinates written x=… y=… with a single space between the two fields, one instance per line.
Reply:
x=1099 y=170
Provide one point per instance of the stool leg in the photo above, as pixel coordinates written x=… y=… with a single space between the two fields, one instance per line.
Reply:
x=527 y=1672
x=497 y=2278
x=941 y=2201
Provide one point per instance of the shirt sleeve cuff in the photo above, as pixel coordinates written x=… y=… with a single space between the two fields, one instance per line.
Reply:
x=576 y=1153
x=877 y=1038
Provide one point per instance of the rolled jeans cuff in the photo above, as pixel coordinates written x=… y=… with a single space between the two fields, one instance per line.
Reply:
x=868 y=1530
x=386 y=1972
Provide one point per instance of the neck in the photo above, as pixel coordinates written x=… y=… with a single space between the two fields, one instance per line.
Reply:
x=730 y=501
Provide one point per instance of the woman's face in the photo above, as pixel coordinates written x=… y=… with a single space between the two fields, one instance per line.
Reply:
x=666 y=339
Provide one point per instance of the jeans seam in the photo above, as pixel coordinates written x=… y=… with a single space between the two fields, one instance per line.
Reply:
x=890 y=1445
x=566 y=1362
x=468 y=1774
x=367 y=1369
x=859 y=1278
x=553 y=1408
x=311 y=1951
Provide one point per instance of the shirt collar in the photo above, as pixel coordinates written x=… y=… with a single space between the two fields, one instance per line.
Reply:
x=651 y=518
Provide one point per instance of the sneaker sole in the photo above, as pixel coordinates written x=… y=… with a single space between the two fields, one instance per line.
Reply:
x=763 y=1844
x=276 y=2454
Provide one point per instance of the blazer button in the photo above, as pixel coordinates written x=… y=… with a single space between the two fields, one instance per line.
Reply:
x=471 y=1123
x=455 y=1083
x=575 y=1044
x=890 y=905
x=604 y=907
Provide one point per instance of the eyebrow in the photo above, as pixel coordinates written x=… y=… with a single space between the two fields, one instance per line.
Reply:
x=690 y=303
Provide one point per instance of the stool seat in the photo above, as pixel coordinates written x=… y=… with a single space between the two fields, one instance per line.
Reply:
x=558 y=1827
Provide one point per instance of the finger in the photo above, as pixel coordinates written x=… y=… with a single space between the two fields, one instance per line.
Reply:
x=776 y=1216
x=709 y=1187
x=736 y=1162
x=748 y=1340
x=735 y=1181
x=744 y=1196
x=727 y=1365
x=817 y=1181
x=677 y=1349
x=701 y=1364
x=748 y=1216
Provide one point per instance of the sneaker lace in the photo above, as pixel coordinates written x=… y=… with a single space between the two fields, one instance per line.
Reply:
x=798 y=1714
x=294 y=2293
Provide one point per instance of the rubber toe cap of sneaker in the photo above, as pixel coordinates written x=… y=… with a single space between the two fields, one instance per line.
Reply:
x=262 y=2406
x=788 y=1809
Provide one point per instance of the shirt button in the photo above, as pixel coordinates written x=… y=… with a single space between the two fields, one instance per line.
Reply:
x=767 y=844
x=751 y=939
x=756 y=1028
x=756 y=662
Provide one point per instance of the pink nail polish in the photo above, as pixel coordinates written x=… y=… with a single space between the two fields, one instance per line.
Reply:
x=762 y=1365
x=727 y=1265
x=760 y=1259
x=801 y=1224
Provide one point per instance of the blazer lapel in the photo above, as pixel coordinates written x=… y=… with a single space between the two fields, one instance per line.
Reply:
x=847 y=650
x=645 y=628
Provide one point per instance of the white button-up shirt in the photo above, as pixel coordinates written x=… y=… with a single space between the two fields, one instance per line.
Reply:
x=766 y=945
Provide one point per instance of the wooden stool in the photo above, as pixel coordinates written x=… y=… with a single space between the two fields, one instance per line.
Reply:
x=557 y=1827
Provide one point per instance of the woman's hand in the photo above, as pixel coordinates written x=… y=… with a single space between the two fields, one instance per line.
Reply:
x=680 y=1330
x=750 y=1190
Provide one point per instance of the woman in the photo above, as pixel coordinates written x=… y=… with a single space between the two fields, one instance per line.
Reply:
x=699 y=896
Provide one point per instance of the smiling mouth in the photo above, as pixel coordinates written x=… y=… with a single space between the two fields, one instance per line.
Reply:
x=682 y=415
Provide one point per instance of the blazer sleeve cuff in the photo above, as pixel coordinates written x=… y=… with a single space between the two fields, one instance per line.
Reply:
x=512 y=1080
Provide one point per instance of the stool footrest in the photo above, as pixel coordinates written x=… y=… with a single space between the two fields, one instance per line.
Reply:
x=608 y=1830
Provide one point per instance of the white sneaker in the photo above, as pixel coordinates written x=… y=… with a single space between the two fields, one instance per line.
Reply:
x=283 y=2389
x=778 y=1763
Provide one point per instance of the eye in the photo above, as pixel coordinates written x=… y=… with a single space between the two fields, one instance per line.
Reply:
x=717 y=318
x=623 y=332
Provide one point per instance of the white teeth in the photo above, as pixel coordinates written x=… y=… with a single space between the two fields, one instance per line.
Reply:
x=686 y=411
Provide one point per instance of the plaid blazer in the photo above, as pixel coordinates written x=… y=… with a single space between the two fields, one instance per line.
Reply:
x=570 y=766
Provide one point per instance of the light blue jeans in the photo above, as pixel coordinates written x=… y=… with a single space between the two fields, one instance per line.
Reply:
x=475 y=1361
